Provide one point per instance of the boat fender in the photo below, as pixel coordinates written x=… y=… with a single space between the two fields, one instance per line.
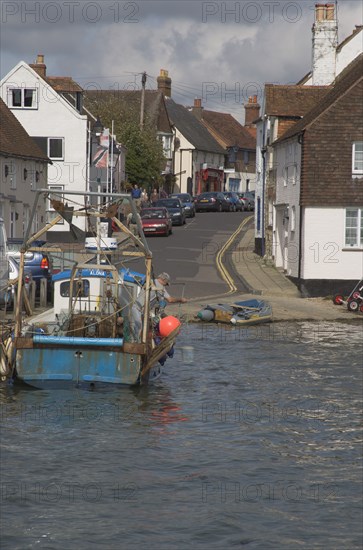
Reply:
x=6 y=356
x=167 y=325
x=206 y=315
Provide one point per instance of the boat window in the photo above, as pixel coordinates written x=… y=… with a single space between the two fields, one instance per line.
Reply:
x=80 y=289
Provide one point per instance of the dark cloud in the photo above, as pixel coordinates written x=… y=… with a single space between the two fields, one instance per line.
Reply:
x=238 y=46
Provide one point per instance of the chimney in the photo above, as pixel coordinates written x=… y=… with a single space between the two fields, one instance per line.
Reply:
x=252 y=111
x=197 y=109
x=164 y=83
x=325 y=41
x=39 y=66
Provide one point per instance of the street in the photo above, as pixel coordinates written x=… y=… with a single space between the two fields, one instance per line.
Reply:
x=189 y=255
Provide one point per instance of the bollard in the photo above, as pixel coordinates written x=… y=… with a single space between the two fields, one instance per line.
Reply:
x=43 y=292
x=32 y=290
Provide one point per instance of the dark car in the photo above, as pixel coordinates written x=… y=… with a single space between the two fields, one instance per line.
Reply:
x=37 y=263
x=212 y=200
x=156 y=221
x=175 y=209
x=248 y=199
x=236 y=202
x=187 y=201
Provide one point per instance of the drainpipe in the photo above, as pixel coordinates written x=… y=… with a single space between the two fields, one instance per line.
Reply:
x=263 y=152
x=300 y=140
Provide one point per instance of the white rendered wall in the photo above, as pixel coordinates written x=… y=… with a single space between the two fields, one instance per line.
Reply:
x=324 y=254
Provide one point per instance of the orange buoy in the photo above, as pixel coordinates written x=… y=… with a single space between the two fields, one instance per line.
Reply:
x=167 y=325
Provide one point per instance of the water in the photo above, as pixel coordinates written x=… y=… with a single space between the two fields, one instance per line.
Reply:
x=251 y=438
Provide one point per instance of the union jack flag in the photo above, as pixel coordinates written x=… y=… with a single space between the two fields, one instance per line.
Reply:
x=100 y=158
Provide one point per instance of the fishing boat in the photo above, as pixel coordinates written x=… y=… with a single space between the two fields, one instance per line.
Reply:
x=247 y=312
x=91 y=338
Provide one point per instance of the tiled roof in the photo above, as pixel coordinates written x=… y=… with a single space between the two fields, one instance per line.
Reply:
x=345 y=80
x=193 y=130
x=125 y=100
x=292 y=100
x=227 y=130
x=14 y=140
x=63 y=84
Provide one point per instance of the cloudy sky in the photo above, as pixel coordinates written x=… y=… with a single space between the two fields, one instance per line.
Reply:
x=221 y=52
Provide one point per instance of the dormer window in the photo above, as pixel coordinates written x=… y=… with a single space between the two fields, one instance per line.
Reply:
x=22 y=98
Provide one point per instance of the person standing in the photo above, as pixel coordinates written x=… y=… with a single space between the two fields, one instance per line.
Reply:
x=136 y=195
x=144 y=198
x=154 y=197
x=158 y=294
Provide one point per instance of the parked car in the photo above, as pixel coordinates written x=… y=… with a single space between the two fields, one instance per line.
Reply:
x=212 y=200
x=175 y=209
x=248 y=199
x=236 y=202
x=187 y=201
x=156 y=221
x=37 y=263
x=13 y=275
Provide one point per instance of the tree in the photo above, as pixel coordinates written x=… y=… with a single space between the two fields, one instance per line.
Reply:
x=144 y=158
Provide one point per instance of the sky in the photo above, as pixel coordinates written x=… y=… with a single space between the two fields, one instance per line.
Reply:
x=221 y=52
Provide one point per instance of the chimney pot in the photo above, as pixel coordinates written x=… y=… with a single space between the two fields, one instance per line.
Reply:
x=39 y=66
x=164 y=82
x=197 y=102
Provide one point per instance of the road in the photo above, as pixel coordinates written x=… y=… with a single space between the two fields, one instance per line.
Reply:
x=189 y=255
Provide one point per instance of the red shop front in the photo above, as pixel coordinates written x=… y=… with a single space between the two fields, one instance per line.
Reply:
x=209 y=179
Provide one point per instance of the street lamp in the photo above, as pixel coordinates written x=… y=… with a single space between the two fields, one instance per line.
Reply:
x=98 y=127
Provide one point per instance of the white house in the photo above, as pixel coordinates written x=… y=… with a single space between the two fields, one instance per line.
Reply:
x=49 y=108
x=23 y=169
x=198 y=157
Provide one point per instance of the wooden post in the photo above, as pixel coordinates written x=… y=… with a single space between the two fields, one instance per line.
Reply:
x=148 y=282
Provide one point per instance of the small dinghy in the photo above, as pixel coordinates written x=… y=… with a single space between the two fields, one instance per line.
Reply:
x=247 y=312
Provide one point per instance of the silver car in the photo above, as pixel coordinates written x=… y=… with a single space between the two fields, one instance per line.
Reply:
x=248 y=199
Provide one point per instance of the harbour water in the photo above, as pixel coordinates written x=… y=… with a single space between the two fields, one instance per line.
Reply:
x=251 y=438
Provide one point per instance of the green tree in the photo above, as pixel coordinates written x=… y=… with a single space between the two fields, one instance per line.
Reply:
x=144 y=158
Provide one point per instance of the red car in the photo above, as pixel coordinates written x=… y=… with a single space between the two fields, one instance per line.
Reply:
x=156 y=221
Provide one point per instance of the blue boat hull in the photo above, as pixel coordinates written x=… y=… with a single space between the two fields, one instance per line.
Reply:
x=76 y=366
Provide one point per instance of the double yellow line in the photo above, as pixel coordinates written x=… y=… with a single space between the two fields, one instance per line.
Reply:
x=227 y=277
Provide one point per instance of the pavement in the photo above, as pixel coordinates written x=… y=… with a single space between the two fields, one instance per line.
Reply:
x=266 y=282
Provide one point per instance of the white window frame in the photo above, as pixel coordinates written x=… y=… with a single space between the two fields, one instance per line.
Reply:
x=358 y=228
x=355 y=170
x=51 y=213
x=48 y=148
x=293 y=219
x=22 y=98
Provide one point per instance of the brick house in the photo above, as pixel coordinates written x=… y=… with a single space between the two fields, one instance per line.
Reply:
x=328 y=60
x=239 y=143
x=318 y=233
x=283 y=106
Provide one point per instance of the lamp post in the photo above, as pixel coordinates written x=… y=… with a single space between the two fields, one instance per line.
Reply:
x=115 y=153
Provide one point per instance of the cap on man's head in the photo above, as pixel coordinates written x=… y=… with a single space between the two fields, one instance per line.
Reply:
x=165 y=277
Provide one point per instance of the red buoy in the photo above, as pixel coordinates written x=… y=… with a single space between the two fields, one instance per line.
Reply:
x=167 y=325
